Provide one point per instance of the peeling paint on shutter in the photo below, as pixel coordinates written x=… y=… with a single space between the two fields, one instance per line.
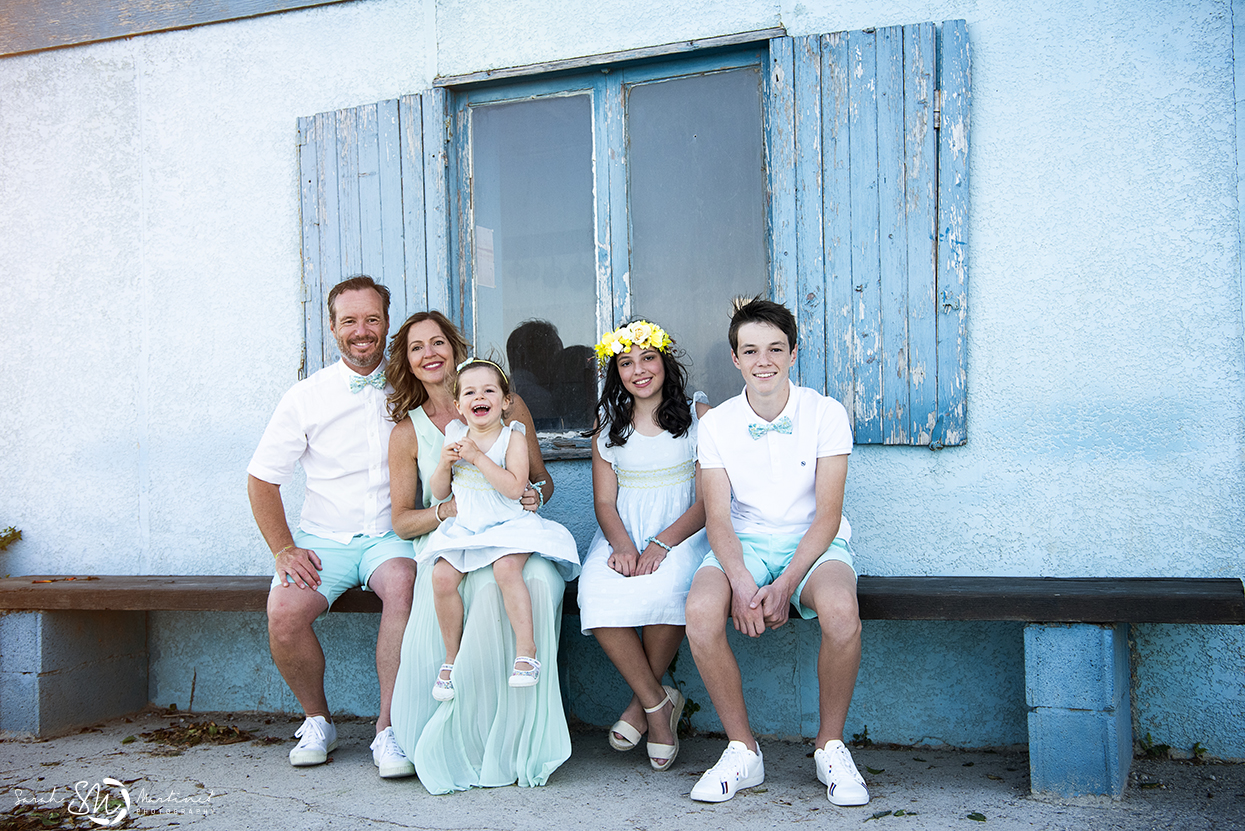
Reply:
x=373 y=193
x=880 y=203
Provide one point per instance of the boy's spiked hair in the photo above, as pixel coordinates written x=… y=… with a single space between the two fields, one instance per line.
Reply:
x=759 y=310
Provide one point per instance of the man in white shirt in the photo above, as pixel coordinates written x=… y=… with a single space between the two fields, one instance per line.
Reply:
x=334 y=424
x=773 y=467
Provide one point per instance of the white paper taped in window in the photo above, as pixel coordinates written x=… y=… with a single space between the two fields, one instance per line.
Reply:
x=484 y=258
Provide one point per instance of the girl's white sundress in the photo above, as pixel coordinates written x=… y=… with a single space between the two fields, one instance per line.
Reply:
x=488 y=525
x=656 y=485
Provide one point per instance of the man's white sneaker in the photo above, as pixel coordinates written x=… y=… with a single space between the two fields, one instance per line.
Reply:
x=316 y=738
x=836 y=770
x=738 y=768
x=389 y=757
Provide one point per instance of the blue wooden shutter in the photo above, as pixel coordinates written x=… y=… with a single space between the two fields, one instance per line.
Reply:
x=869 y=183
x=373 y=202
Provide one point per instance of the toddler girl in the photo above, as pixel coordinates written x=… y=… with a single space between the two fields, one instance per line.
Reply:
x=487 y=473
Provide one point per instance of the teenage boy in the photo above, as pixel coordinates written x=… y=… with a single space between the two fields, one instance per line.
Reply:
x=773 y=466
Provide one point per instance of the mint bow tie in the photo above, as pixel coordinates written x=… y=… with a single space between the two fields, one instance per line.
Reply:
x=376 y=379
x=782 y=425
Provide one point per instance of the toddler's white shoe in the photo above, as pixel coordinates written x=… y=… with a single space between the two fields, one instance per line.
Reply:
x=443 y=688
x=525 y=677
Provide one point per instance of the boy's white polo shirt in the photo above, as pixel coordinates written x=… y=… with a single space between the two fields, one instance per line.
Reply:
x=773 y=477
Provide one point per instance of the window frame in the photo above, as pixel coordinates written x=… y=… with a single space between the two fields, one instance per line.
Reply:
x=611 y=220
x=607 y=88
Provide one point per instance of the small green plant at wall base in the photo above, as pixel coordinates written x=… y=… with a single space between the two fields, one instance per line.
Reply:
x=9 y=536
x=862 y=739
x=1152 y=750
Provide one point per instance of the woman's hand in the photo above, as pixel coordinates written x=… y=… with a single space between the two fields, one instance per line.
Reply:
x=447 y=509
x=530 y=500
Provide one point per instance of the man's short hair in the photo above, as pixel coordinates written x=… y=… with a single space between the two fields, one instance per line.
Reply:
x=355 y=283
x=760 y=310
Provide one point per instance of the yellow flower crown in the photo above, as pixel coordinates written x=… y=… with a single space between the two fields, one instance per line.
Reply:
x=640 y=333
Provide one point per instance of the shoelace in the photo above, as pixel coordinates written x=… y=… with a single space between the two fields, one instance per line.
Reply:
x=389 y=745
x=842 y=760
x=310 y=732
x=732 y=762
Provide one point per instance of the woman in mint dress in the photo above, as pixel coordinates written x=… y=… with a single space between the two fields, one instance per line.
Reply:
x=490 y=734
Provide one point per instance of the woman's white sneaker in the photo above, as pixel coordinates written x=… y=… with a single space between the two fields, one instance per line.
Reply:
x=738 y=768
x=836 y=770
x=317 y=737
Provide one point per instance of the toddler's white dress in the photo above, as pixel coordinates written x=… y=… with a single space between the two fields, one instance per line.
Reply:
x=488 y=525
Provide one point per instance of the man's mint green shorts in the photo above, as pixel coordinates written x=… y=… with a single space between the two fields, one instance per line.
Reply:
x=344 y=566
x=767 y=555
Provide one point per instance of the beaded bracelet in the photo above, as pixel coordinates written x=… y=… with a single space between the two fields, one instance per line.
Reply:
x=540 y=495
x=282 y=551
x=659 y=542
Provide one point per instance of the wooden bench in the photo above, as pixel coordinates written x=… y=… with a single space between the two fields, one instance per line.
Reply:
x=1030 y=599
x=74 y=647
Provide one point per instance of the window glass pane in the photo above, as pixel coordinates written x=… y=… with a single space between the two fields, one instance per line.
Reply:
x=534 y=264
x=697 y=198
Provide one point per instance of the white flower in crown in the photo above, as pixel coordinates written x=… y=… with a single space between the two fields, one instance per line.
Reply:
x=617 y=347
x=640 y=332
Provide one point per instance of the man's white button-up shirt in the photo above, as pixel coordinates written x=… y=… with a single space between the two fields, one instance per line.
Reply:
x=342 y=441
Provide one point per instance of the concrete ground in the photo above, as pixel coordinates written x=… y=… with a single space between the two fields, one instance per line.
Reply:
x=250 y=785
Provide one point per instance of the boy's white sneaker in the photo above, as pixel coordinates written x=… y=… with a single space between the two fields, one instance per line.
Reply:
x=389 y=757
x=738 y=768
x=845 y=786
x=317 y=737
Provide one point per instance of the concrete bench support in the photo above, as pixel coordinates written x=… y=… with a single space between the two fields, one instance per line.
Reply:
x=65 y=669
x=1080 y=722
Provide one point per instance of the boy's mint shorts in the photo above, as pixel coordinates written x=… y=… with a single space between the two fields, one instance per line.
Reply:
x=767 y=555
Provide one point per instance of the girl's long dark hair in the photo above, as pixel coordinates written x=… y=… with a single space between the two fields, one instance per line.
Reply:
x=616 y=405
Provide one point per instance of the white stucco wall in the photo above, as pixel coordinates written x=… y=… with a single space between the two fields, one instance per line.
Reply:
x=149 y=273
x=150 y=257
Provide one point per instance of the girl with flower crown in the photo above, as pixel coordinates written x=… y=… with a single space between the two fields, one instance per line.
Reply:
x=651 y=537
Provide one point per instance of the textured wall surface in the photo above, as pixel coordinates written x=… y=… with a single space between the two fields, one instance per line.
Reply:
x=150 y=269
x=920 y=683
